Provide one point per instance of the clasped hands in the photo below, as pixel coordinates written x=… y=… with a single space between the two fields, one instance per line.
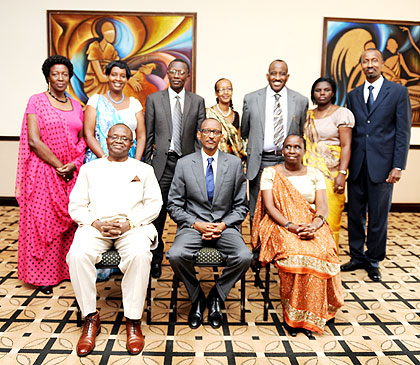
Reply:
x=111 y=229
x=210 y=231
x=66 y=171
x=305 y=231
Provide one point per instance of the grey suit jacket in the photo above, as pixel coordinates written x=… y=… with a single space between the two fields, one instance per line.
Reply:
x=253 y=124
x=188 y=202
x=159 y=127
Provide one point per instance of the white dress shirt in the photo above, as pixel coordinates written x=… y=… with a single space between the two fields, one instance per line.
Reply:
x=376 y=88
x=204 y=156
x=270 y=101
x=172 y=100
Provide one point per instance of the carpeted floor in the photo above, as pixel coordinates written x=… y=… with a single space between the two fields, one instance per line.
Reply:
x=379 y=324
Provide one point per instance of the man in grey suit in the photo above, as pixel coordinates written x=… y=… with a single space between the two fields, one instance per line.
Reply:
x=173 y=117
x=269 y=116
x=208 y=202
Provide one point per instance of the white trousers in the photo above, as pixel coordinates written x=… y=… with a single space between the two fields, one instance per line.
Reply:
x=86 y=250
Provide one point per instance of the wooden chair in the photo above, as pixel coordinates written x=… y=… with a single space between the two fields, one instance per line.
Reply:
x=110 y=260
x=207 y=257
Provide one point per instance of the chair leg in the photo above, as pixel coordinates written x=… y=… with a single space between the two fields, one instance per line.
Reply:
x=266 y=292
x=243 y=280
x=149 y=301
x=174 y=298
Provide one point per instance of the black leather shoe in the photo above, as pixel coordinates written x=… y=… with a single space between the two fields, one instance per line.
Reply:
x=373 y=273
x=195 y=317
x=156 y=270
x=46 y=289
x=351 y=266
x=215 y=313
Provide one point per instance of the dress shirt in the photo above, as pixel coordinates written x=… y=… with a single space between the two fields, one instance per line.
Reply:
x=172 y=100
x=213 y=164
x=376 y=88
x=270 y=101
x=108 y=190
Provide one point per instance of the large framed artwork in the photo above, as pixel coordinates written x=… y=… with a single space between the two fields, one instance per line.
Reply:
x=345 y=40
x=148 y=42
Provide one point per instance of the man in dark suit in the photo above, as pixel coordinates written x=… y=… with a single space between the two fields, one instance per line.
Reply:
x=379 y=151
x=208 y=202
x=173 y=117
x=269 y=116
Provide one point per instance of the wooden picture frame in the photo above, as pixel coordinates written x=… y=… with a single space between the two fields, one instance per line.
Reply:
x=344 y=41
x=148 y=42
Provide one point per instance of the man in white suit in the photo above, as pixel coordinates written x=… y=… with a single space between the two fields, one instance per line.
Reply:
x=208 y=202
x=260 y=110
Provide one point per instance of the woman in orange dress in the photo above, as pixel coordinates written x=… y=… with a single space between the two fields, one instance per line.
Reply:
x=290 y=229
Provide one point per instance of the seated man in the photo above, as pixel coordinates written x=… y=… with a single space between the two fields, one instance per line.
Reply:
x=208 y=201
x=114 y=202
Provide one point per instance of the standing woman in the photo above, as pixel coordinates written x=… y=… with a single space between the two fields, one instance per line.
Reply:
x=328 y=131
x=104 y=111
x=51 y=152
x=228 y=118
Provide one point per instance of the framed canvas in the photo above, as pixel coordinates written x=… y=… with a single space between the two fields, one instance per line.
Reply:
x=148 y=42
x=399 y=41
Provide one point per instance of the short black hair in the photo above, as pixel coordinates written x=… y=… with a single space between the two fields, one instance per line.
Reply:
x=278 y=60
x=297 y=135
x=215 y=89
x=372 y=49
x=324 y=79
x=179 y=60
x=120 y=64
x=56 y=60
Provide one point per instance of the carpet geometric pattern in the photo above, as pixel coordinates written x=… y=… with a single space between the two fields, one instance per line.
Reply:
x=379 y=323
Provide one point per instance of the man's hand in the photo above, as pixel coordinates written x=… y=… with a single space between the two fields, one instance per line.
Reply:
x=111 y=229
x=210 y=231
x=394 y=176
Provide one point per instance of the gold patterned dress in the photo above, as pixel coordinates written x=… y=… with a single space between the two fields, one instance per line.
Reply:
x=309 y=270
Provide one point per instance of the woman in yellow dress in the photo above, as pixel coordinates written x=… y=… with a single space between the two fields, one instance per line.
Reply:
x=328 y=131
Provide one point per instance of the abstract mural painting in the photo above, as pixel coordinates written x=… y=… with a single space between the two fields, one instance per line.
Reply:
x=148 y=42
x=399 y=41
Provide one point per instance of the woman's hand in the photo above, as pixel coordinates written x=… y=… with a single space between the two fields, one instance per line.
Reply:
x=339 y=183
x=66 y=171
x=305 y=231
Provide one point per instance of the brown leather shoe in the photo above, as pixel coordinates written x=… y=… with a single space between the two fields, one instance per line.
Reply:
x=135 y=339
x=91 y=329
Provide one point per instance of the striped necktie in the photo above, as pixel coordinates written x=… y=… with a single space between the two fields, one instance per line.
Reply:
x=278 y=123
x=176 y=127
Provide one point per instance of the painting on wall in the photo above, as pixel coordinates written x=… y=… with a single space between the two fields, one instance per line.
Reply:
x=346 y=39
x=148 y=42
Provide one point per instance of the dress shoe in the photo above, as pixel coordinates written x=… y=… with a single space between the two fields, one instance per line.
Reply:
x=195 y=317
x=91 y=329
x=351 y=266
x=292 y=331
x=135 y=339
x=373 y=273
x=215 y=313
x=47 y=289
x=156 y=270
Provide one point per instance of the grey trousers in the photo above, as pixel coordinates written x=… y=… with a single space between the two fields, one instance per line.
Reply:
x=231 y=244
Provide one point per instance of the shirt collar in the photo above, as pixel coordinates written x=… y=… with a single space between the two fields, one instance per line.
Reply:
x=377 y=84
x=271 y=92
x=172 y=93
x=205 y=156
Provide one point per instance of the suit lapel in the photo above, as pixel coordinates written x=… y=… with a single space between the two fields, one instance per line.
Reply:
x=222 y=167
x=197 y=168
x=381 y=96
x=167 y=107
x=291 y=113
x=361 y=99
x=261 y=108
x=186 y=110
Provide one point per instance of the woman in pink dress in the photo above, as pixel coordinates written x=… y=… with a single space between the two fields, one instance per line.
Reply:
x=51 y=151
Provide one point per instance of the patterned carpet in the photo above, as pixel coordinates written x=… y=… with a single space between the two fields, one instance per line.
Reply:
x=379 y=324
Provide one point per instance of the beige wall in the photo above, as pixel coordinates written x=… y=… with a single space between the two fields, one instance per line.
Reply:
x=235 y=39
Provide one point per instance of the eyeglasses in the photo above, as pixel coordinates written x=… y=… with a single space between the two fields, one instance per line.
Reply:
x=179 y=72
x=227 y=89
x=114 y=138
x=207 y=132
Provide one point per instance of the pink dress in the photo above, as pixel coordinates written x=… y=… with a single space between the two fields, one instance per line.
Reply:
x=45 y=228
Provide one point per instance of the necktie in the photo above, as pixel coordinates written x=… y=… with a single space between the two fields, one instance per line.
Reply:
x=176 y=127
x=210 y=180
x=370 y=99
x=278 y=123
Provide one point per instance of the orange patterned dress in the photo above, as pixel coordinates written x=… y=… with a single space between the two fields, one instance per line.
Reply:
x=309 y=270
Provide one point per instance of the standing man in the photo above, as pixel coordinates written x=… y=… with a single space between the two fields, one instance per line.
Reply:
x=269 y=116
x=114 y=202
x=173 y=117
x=208 y=202
x=380 y=144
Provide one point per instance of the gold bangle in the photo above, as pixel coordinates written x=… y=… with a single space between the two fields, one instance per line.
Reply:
x=321 y=217
x=130 y=223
